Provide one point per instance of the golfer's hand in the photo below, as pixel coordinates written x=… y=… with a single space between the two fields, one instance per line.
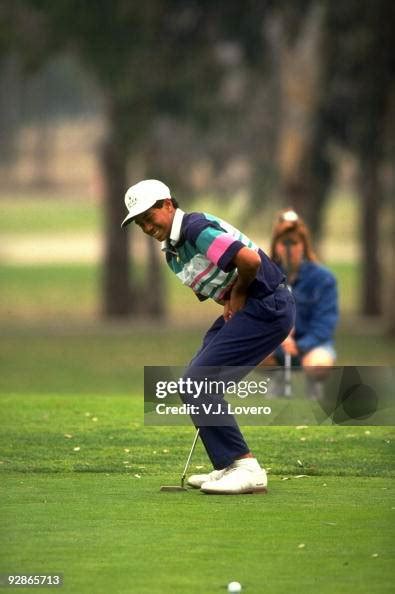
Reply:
x=238 y=298
x=289 y=346
x=236 y=302
x=247 y=262
x=227 y=311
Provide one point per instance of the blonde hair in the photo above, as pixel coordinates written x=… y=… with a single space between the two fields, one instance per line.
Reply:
x=288 y=221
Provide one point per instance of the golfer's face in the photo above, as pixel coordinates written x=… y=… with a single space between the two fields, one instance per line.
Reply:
x=290 y=250
x=157 y=222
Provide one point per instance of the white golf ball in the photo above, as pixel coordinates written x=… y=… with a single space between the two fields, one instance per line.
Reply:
x=234 y=587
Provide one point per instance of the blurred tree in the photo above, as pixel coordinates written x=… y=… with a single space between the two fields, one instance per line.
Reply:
x=148 y=60
x=10 y=82
x=360 y=61
x=390 y=296
x=305 y=171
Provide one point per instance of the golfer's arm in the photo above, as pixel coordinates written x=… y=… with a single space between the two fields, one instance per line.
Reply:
x=247 y=262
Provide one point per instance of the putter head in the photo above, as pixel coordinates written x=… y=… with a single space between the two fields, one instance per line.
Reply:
x=172 y=488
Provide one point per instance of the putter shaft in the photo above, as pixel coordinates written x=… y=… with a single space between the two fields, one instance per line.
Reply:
x=287 y=375
x=189 y=457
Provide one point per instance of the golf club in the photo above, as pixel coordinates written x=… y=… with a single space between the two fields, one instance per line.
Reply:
x=287 y=376
x=287 y=360
x=177 y=488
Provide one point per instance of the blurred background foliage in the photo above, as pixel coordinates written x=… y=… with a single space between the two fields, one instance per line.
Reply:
x=241 y=107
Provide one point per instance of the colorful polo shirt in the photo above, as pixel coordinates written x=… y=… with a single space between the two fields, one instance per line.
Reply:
x=200 y=251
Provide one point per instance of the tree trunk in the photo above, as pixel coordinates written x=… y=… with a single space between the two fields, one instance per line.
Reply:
x=303 y=167
x=10 y=108
x=155 y=289
x=123 y=295
x=371 y=195
x=389 y=126
x=43 y=152
x=154 y=304
x=322 y=176
x=390 y=303
x=116 y=284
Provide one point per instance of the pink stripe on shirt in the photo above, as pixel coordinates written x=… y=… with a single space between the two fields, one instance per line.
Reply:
x=199 y=276
x=219 y=246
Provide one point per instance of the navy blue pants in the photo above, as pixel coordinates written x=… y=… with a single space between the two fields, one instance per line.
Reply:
x=248 y=337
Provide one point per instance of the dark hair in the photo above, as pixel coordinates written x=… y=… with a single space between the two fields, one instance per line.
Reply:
x=159 y=203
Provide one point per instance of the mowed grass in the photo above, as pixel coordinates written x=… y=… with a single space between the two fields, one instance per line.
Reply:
x=51 y=291
x=120 y=534
x=81 y=477
x=106 y=359
x=74 y=291
x=41 y=433
x=51 y=214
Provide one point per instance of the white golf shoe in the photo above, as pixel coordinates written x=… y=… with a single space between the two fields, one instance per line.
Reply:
x=242 y=477
x=197 y=480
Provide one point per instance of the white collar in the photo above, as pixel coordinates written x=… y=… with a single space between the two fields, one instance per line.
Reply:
x=175 y=230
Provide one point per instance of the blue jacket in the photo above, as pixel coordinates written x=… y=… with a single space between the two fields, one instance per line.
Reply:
x=315 y=293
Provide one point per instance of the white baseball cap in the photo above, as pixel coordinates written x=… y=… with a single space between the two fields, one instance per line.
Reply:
x=142 y=196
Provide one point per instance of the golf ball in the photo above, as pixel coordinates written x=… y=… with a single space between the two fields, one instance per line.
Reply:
x=234 y=587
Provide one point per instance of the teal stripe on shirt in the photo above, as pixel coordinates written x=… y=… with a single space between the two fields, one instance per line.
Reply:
x=206 y=238
x=186 y=252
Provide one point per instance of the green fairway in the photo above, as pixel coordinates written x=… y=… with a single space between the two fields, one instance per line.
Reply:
x=34 y=214
x=116 y=533
x=81 y=478
x=107 y=359
x=73 y=291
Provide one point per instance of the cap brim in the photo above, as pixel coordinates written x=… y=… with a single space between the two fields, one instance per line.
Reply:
x=127 y=220
x=137 y=211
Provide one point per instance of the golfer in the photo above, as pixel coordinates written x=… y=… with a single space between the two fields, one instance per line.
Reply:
x=311 y=342
x=219 y=262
